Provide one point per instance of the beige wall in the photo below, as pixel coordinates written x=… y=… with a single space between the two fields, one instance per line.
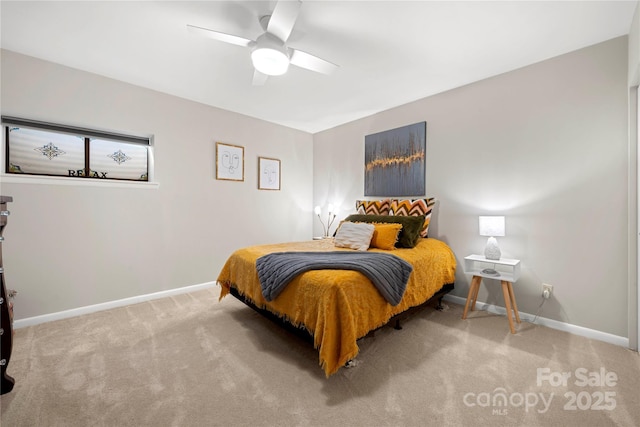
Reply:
x=546 y=146
x=634 y=49
x=74 y=246
x=633 y=80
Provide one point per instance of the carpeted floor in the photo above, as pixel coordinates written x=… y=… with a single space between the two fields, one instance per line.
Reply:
x=190 y=360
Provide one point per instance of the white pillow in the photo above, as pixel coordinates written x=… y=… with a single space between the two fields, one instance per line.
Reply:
x=354 y=236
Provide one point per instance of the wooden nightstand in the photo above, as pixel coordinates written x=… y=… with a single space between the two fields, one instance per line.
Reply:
x=507 y=271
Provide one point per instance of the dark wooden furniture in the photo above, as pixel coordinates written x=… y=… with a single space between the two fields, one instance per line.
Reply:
x=6 y=311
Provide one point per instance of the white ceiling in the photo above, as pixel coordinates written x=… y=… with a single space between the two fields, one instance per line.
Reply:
x=389 y=52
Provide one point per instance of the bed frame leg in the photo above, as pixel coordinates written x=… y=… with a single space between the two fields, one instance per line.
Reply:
x=440 y=307
x=398 y=325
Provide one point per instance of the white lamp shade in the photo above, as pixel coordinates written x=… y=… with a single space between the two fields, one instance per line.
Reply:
x=492 y=226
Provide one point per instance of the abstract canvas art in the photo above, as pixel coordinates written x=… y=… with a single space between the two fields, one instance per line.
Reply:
x=395 y=162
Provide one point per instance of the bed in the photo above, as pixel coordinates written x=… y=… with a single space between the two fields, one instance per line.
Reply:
x=338 y=307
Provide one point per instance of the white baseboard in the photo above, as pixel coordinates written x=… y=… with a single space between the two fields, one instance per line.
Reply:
x=30 y=321
x=550 y=323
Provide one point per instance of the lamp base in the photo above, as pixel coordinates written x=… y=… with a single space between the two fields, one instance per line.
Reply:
x=492 y=251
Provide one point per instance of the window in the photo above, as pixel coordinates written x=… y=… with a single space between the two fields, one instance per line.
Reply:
x=36 y=148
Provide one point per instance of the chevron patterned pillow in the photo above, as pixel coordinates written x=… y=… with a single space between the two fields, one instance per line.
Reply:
x=373 y=207
x=414 y=207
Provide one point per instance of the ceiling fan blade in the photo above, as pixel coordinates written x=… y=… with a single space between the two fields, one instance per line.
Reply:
x=283 y=18
x=216 y=35
x=310 y=62
x=259 y=78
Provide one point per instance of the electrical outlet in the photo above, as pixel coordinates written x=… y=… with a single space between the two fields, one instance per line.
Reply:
x=547 y=290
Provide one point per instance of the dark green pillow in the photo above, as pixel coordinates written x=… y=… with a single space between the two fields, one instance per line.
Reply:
x=411 y=226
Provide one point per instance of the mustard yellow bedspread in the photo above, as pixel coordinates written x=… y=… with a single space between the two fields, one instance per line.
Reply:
x=339 y=306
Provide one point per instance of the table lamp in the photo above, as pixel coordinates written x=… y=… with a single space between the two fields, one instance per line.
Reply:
x=492 y=226
x=330 y=218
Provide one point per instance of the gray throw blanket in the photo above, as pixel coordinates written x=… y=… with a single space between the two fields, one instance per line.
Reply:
x=387 y=272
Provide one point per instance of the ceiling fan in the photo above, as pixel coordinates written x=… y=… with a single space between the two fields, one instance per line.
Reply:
x=269 y=53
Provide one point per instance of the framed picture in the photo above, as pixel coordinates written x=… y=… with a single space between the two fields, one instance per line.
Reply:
x=268 y=174
x=394 y=162
x=229 y=162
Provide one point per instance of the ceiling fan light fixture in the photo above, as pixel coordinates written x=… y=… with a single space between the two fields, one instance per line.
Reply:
x=269 y=53
x=269 y=61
